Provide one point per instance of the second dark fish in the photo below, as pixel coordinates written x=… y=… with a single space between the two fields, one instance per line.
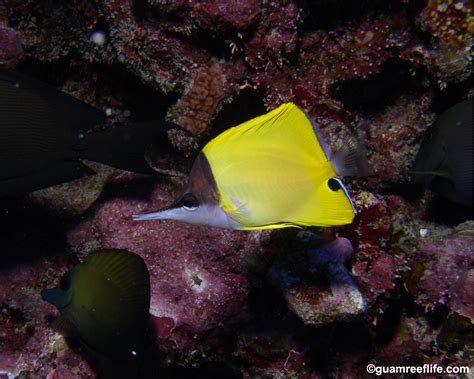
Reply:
x=44 y=134
x=444 y=161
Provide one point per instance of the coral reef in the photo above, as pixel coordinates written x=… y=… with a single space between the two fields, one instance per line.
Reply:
x=443 y=271
x=394 y=287
x=450 y=25
x=394 y=136
x=355 y=50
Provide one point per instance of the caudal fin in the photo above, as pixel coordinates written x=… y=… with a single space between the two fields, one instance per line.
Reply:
x=125 y=147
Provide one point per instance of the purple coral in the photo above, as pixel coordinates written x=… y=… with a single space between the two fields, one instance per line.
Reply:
x=332 y=295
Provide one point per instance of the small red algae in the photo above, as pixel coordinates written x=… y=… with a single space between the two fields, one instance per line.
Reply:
x=164 y=326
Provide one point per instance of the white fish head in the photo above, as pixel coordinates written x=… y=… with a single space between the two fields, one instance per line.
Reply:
x=199 y=203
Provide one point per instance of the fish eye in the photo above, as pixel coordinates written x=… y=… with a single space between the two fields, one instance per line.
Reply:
x=429 y=135
x=334 y=185
x=65 y=282
x=189 y=202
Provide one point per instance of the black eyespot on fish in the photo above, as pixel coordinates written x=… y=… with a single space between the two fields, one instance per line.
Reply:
x=65 y=282
x=189 y=201
x=334 y=185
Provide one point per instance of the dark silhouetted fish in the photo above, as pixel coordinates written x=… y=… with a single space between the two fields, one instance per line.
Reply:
x=444 y=161
x=104 y=303
x=43 y=134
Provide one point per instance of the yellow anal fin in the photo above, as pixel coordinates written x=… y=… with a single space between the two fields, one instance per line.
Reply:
x=280 y=225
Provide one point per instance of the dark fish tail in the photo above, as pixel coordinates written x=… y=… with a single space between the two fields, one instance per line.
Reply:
x=124 y=147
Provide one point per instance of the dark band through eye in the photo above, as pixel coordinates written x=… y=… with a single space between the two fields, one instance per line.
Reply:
x=334 y=185
x=189 y=201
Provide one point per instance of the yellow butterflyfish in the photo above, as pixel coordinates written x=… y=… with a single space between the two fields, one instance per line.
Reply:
x=272 y=171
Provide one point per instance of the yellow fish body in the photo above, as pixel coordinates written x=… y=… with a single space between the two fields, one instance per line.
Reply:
x=272 y=171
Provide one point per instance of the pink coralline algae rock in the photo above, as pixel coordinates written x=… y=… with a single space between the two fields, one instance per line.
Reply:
x=395 y=135
x=355 y=50
x=168 y=60
x=76 y=197
x=463 y=295
x=73 y=198
x=412 y=337
x=451 y=27
x=220 y=16
x=273 y=355
x=382 y=233
x=196 y=279
x=10 y=46
x=444 y=273
x=276 y=36
x=325 y=292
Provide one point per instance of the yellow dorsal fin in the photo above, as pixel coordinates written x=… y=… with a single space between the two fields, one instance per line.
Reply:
x=286 y=121
x=272 y=171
